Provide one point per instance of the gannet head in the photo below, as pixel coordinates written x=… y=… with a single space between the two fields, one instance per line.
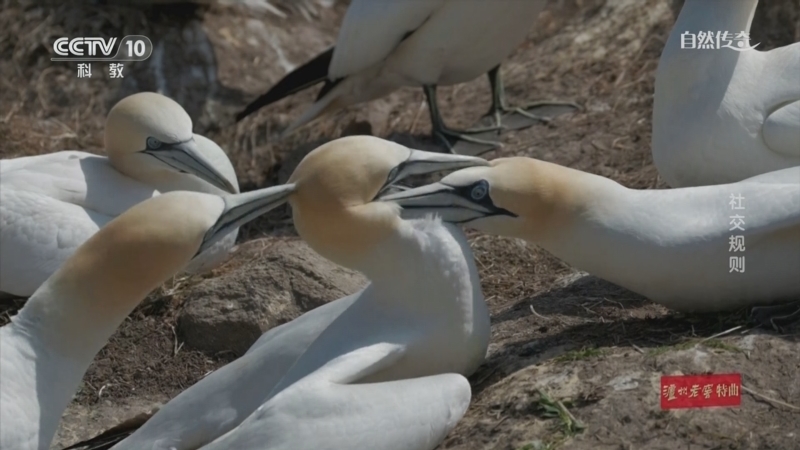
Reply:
x=152 y=241
x=334 y=208
x=518 y=197
x=148 y=133
x=89 y=295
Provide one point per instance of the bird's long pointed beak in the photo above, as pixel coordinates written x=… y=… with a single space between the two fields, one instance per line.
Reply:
x=242 y=208
x=428 y=195
x=421 y=162
x=185 y=157
x=437 y=199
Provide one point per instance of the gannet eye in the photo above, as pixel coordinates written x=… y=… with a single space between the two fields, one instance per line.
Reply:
x=153 y=143
x=393 y=173
x=479 y=191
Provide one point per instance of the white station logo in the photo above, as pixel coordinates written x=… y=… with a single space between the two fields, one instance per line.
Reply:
x=84 y=46
x=135 y=47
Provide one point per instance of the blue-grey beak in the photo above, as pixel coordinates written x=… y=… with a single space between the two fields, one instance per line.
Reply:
x=242 y=208
x=185 y=157
x=420 y=162
x=454 y=204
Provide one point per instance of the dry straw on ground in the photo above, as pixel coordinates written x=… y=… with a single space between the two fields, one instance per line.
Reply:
x=564 y=350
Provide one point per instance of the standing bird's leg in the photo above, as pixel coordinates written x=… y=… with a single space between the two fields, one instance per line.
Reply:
x=499 y=107
x=441 y=132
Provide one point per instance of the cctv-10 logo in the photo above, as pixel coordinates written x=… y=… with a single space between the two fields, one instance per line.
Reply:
x=131 y=48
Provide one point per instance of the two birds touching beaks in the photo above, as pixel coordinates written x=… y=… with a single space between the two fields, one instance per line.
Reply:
x=91 y=236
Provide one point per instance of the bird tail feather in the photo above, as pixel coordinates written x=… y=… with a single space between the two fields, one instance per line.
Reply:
x=330 y=101
x=305 y=76
x=114 y=435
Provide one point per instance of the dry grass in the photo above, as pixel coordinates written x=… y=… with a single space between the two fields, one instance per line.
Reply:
x=601 y=54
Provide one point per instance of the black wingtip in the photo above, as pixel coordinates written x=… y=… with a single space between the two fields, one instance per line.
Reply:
x=305 y=76
x=114 y=435
x=101 y=442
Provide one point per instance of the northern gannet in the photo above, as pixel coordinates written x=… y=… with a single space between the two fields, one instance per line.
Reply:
x=389 y=371
x=50 y=204
x=383 y=46
x=721 y=115
x=47 y=347
x=673 y=246
x=423 y=314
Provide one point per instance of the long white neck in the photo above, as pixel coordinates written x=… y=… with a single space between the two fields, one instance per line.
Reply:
x=645 y=240
x=422 y=274
x=430 y=258
x=45 y=351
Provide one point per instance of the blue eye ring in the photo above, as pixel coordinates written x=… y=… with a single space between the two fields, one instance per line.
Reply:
x=153 y=143
x=479 y=191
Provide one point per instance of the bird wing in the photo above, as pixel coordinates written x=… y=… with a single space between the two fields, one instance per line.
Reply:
x=37 y=234
x=782 y=129
x=309 y=74
x=222 y=400
x=49 y=206
x=7 y=165
x=78 y=178
x=327 y=410
x=305 y=329
x=372 y=29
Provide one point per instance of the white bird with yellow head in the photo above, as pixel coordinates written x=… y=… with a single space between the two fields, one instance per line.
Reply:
x=50 y=204
x=415 y=331
x=47 y=347
x=671 y=245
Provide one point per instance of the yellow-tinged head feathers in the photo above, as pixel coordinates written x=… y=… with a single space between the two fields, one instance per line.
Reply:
x=538 y=192
x=139 y=250
x=532 y=188
x=348 y=171
x=84 y=301
x=544 y=196
x=145 y=115
x=520 y=197
x=336 y=184
x=149 y=137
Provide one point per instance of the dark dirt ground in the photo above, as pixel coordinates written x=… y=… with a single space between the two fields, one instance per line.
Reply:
x=558 y=336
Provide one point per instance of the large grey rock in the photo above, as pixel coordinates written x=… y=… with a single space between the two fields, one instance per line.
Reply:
x=274 y=283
